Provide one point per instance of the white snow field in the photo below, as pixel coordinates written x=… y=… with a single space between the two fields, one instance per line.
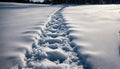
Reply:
x=95 y=32
x=59 y=37
x=20 y=26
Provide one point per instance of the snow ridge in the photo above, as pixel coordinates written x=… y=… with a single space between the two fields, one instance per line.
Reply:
x=54 y=49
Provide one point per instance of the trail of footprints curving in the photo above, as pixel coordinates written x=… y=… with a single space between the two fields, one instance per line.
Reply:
x=54 y=46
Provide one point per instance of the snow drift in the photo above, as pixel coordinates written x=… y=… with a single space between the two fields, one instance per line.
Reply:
x=20 y=27
x=96 y=31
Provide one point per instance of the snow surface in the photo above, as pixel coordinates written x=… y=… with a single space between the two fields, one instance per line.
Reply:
x=59 y=37
x=53 y=50
x=20 y=26
x=96 y=31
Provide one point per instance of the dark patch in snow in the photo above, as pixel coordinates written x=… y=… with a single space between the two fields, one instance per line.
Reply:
x=72 y=44
x=71 y=37
x=119 y=50
x=56 y=55
x=119 y=46
x=53 y=46
x=86 y=64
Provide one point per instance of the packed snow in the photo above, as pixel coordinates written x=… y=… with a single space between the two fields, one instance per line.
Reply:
x=59 y=36
x=53 y=47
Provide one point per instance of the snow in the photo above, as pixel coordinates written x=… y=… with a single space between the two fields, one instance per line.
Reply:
x=20 y=26
x=96 y=34
x=55 y=51
x=59 y=36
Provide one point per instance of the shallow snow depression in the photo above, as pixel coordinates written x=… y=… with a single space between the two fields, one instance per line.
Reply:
x=96 y=28
x=54 y=49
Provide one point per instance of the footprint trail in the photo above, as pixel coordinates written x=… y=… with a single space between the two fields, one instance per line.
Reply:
x=53 y=50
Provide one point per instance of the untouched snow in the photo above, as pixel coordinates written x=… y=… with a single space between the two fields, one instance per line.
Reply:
x=96 y=31
x=20 y=26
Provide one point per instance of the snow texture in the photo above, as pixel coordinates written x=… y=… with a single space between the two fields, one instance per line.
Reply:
x=59 y=37
x=53 y=50
x=20 y=27
x=96 y=31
